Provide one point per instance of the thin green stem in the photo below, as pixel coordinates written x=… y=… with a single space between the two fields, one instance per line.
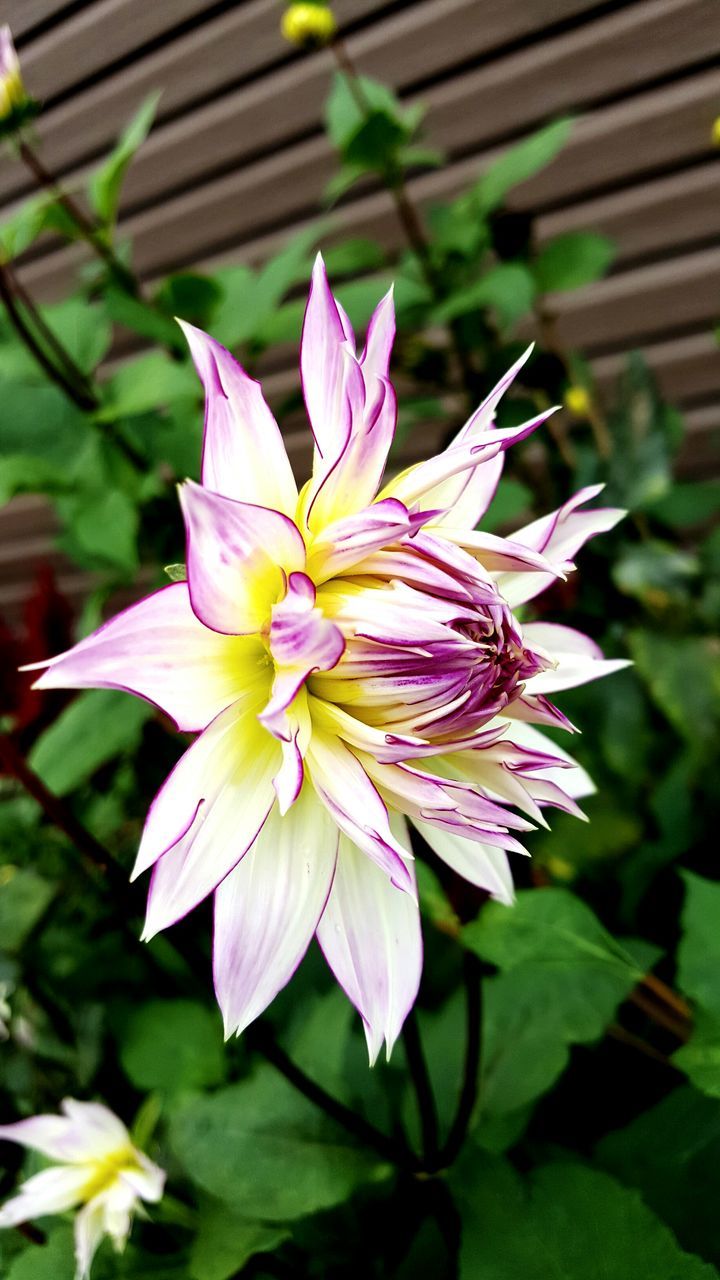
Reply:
x=473 y=1053
x=81 y=398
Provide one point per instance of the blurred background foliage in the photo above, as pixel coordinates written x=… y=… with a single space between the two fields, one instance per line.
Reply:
x=589 y=1126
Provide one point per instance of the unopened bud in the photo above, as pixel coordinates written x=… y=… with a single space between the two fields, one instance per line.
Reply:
x=12 y=90
x=715 y=132
x=577 y=402
x=308 y=25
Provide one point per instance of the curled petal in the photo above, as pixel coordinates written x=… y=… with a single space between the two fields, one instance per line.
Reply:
x=267 y=909
x=350 y=540
x=159 y=650
x=238 y=556
x=370 y=936
x=243 y=452
x=481 y=864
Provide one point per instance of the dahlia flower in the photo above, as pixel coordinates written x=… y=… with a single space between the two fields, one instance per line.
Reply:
x=98 y=1171
x=349 y=658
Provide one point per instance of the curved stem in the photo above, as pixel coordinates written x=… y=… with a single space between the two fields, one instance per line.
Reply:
x=7 y=293
x=422 y=1085
x=85 y=225
x=52 y=341
x=473 y=1050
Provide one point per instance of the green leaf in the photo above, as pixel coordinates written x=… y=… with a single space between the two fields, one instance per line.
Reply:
x=375 y=142
x=52 y=1261
x=345 y=116
x=507 y=290
x=97 y=726
x=511 y=501
x=655 y=572
x=688 y=504
x=102 y=526
x=24 y=899
x=700 y=1057
x=567 y=1222
x=691 y=706
x=172 y=1045
x=699 y=949
x=521 y=162
x=572 y=260
x=147 y=383
x=226 y=1241
x=191 y=297
x=176 y=572
x=21 y=473
x=261 y=1145
x=143 y=318
x=40 y=421
x=106 y=183
x=353 y=256
x=83 y=329
x=671 y=1154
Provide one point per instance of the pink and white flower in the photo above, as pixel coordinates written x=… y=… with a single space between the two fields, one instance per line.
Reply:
x=96 y=1170
x=350 y=661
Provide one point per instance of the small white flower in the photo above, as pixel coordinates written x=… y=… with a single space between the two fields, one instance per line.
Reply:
x=99 y=1172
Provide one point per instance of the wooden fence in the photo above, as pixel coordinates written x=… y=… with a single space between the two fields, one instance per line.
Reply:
x=238 y=158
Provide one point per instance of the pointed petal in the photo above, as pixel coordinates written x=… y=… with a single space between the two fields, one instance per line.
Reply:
x=243 y=452
x=97 y=1130
x=302 y=641
x=237 y=557
x=370 y=936
x=354 y=803
x=375 y=359
x=159 y=650
x=322 y=364
x=51 y=1191
x=573 y=781
x=558 y=536
x=352 y=481
x=267 y=909
x=496 y=555
x=89 y=1231
x=350 y=540
x=578 y=659
x=481 y=864
x=207 y=815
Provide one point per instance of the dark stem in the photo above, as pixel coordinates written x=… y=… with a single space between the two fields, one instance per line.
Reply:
x=473 y=1050
x=51 y=340
x=422 y=1085
x=80 y=398
x=84 y=224
x=260 y=1036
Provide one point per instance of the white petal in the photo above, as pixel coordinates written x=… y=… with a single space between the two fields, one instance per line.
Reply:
x=267 y=909
x=224 y=783
x=575 y=782
x=370 y=935
x=481 y=864
x=578 y=658
x=323 y=366
x=89 y=1231
x=159 y=650
x=243 y=452
x=51 y=1191
x=237 y=559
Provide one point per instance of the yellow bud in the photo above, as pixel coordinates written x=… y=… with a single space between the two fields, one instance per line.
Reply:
x=12 y=89
x=560 y=869
x=308 y=25
x=577 y=402
x=715 y=132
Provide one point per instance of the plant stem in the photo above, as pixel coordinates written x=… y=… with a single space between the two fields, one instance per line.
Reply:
x=84 y=224
x=547 y=327
x=73 y=371
x=7 y=293
x=260 y=1036
x=473 y=1051
x=422 y=1085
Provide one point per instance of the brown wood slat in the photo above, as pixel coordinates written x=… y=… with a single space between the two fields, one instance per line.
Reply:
x=667 y=213
x=687 y=368
x=238 y=44
x=682 y=292
x=21 y=15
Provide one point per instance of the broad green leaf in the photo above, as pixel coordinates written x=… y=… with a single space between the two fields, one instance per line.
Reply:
x=520 y=163
x=375 y=142
x=700 y=1057
x=40 y=421
x=83 y=329
x=106 y=182
x=176 y=572
x=551 y=928
x=102 y=526
x=191 y=297
x=143 y=318
x=572 y=260
x=24 y=898
x=262 y=1146
x=344 y=113
x=699 y=950
x=507 y=290
x=691 y=706
x=226 y=1241
x=565 y=1223
x=21 y=473
x=97 y=726
x=688 y=504
x=655 y=572
x=353 y=256
x=54 y=1260
x=148 y=382
x=671 y=1153
x=172 y=1045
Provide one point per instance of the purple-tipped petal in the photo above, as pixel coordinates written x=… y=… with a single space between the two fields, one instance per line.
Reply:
x=323 y=365
x=267 y=909
x=237 y=558
x=481 y=864
x=243 y=452
x=577 y=659
x=355 y=805
x=370 y=936
x=159 y=650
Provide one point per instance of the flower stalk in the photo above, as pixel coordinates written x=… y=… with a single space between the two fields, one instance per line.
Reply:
x=68 y=378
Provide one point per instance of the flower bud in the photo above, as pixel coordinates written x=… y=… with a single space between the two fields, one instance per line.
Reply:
x=577 y=401
x=12 y=90
x=715 y=132
x=308 y=25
